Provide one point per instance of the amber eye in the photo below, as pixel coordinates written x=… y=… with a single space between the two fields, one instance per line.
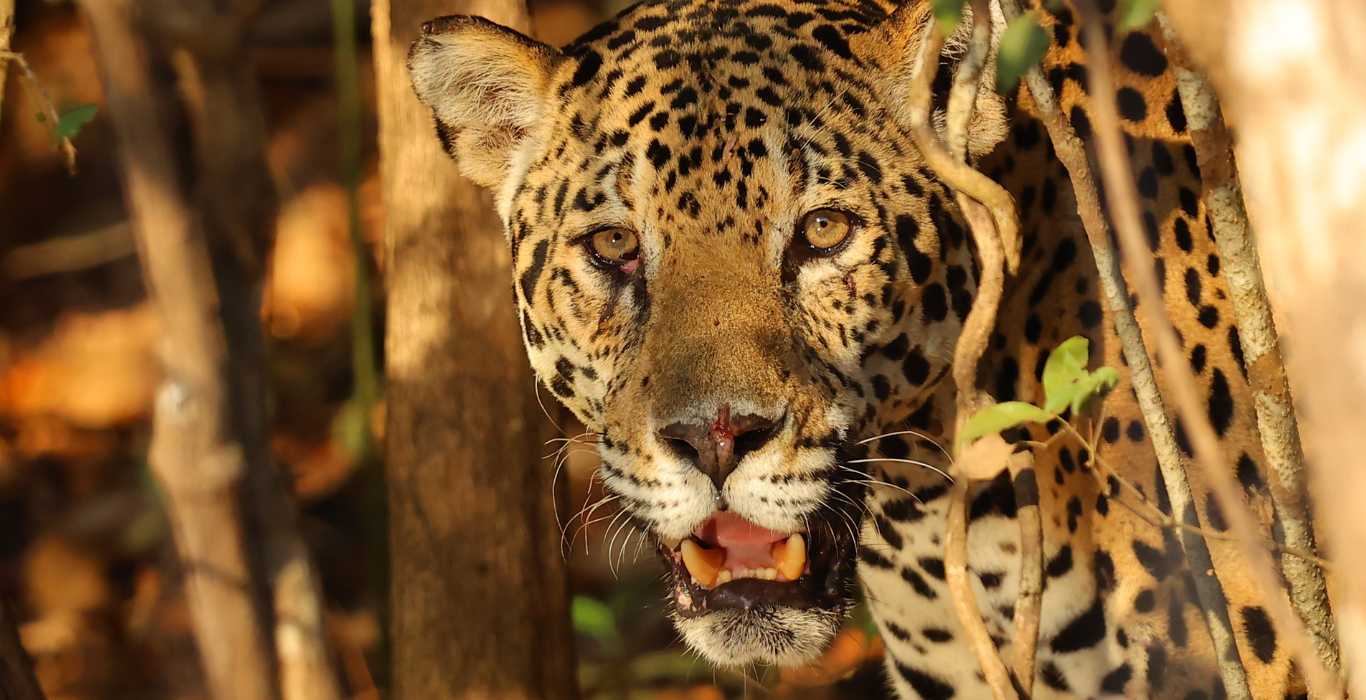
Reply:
x=614 y=246
x=825 y=230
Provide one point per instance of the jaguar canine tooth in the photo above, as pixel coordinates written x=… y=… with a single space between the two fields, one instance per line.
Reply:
x=789 y=557
x=703 y=564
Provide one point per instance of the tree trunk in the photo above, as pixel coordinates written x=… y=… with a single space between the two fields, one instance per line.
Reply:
x=1289 y=77
x=479 y=589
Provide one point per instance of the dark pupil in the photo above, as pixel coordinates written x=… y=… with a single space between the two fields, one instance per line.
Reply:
x=822 y=223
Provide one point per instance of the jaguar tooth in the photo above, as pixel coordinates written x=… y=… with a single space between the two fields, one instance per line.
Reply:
x=789 y=557
x=724 y=577
x=703 y=564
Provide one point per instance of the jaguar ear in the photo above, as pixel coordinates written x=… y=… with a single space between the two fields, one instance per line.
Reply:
x=487 y=86
x=895 y=47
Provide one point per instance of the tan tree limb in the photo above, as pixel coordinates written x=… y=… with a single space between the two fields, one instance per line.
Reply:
x=193 y=453
x=1289 y=75
x=237 y=201
x=1276 y=423
x=1123 y=199
x=17 y=681
x=1071 y=151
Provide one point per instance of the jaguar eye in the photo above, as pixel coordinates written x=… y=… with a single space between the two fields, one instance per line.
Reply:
x=826 y=230
x=614 y=247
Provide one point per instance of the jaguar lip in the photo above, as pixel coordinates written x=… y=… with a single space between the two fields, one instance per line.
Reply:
x=731 y=563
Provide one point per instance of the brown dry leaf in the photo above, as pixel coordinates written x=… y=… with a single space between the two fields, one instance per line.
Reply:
x=96 y=370
x=62 y=577
x=983 y=459
x=310 y=291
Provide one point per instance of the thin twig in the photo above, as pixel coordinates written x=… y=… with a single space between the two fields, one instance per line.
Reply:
x=1071 y=151
x=6 y=32
x=34 y=87
x=1276 y=423
x=1148 y=511
x=1123 y=199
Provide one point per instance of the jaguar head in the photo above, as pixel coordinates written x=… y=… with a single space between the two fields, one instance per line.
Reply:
x=732 y=264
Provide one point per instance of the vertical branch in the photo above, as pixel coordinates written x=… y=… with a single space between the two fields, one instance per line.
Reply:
x=1276 y=423
x=1289 y=75
x=6 y=32
x=1123 y=199
x=17 y=681
x=1072 y=152
x=237 y=200
x=193 y=453
x=479 y=595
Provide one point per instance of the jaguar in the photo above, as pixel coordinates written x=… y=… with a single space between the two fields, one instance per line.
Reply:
x=734 y=266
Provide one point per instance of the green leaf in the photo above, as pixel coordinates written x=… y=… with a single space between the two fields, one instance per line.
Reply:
x=1002 y=416
x=1065 y=367
x=1136 y=13
x=1022 y=46
x=1095 y=384
x=593 y=619
x=1067 y=384
x=69 y=123
x=948 y=13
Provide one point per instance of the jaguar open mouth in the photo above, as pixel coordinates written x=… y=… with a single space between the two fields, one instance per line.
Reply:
x=730 y=563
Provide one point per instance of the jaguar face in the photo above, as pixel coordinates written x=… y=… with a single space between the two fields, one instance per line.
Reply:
x=732 y=265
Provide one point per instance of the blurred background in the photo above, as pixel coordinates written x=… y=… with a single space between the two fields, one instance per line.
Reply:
x=86 y=561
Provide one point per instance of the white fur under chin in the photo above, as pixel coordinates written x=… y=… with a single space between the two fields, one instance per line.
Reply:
x=779 y=636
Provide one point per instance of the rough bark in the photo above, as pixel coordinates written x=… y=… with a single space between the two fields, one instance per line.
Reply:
x=17 y=681
x=1289 y=75
x=479 y=590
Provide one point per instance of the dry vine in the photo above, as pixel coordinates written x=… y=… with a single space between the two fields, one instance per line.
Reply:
x=991 y=217
x=1123 y=199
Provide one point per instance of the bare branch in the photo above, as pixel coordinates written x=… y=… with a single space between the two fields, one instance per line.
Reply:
x=192 y=451
x=1290 y=78
x=1276 y=423
x=1072 y=152
x=1123 y=198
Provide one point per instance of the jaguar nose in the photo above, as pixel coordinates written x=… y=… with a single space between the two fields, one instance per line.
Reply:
x=716 y=447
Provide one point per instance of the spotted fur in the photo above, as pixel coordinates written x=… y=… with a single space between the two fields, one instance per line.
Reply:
x=709 y=128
